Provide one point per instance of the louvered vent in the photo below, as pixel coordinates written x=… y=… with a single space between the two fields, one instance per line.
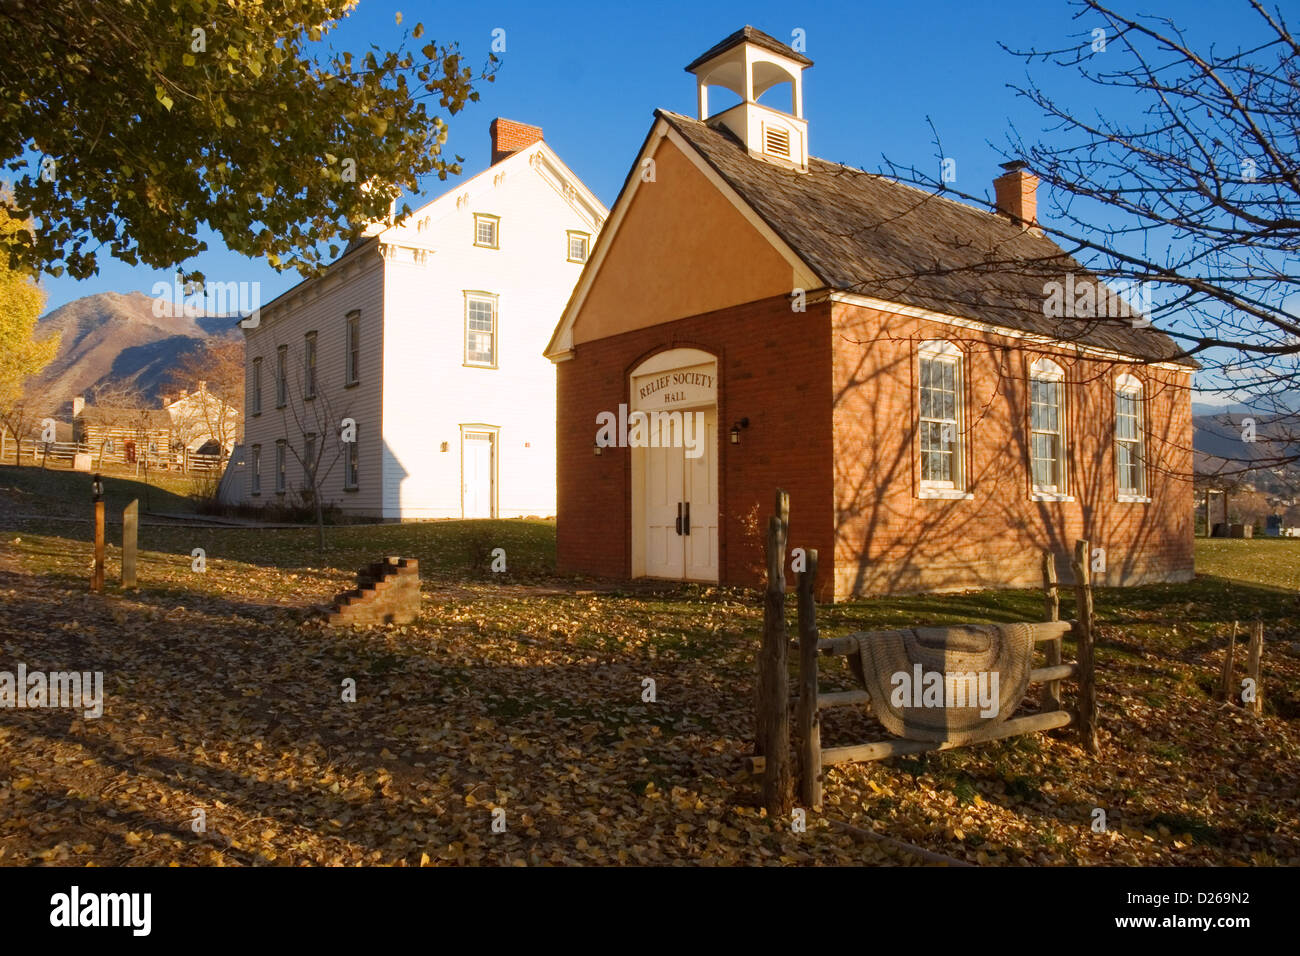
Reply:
x=776 y=141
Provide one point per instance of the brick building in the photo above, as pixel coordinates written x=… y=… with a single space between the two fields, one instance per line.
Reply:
x=942 y=390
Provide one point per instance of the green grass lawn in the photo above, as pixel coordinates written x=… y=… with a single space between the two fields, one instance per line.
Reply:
x=34 y=490
x=1270 y=562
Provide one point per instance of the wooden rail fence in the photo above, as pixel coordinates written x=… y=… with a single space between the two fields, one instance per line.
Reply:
x=772 y=746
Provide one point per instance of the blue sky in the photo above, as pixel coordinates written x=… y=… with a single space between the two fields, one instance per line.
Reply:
x=591 y=74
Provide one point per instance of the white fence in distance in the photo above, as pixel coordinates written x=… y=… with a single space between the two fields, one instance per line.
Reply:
x=63 y=454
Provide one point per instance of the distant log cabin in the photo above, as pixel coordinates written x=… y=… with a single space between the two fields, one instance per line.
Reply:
x=129 y=435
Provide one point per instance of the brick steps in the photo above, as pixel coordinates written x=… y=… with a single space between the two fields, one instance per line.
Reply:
x=387 y=592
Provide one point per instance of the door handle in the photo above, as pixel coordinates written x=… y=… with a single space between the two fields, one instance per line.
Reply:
x=679 y=517
x=686 y=521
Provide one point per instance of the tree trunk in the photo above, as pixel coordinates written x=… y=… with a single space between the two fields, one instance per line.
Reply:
x=320 y=515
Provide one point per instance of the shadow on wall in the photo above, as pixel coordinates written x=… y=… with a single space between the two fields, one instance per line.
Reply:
x=890 y=541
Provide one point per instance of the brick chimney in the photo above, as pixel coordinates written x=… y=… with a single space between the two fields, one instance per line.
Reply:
x=1017 y=194
x=509 y=137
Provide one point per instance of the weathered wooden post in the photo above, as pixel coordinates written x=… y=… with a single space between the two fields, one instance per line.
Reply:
x=810 y=728
x=773 y=677
x=1083 y=637
x=1253 y=657
x=1229 y=665
x=1052 y=609
x=130 y=531
x=97 y=493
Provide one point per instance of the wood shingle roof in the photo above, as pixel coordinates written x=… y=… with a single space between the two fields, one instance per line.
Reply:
x=118 y=417
x=752 y=35
x=865 y=233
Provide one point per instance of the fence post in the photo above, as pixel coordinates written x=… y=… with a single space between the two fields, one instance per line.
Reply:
x=97 y=579
x=130 y=529
x=810 y=729
x=1083 y=636
x=1255 y=653
x=1052 y=607
x=773 y=675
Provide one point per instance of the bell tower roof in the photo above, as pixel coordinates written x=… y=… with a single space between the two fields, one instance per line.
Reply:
x=749 y=63
x=748 y=34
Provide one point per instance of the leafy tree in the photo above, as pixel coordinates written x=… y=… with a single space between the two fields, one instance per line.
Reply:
x=130 y=123
x=21 y=356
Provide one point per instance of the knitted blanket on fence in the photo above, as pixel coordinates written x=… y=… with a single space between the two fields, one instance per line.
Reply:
x=945 y=683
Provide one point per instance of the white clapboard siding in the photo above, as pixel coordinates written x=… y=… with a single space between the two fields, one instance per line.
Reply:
x=416 y=392
x=430 y=394
x=356 y=283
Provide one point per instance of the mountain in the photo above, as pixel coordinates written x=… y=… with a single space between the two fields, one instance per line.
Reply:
x=115 y=337
x=1260 y=457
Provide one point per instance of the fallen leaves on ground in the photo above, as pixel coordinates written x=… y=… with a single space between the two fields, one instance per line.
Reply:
x=223 y=695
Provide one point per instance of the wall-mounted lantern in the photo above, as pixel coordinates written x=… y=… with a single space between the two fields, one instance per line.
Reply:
x=97 y=488
x=735 y=430
x=445 y=447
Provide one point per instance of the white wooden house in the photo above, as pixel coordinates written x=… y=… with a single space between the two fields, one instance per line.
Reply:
x=201 y=422
x=427 y=336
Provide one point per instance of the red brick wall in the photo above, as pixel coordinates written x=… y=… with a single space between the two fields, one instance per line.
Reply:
x=773 y=368
x=832 y=410
x=510 y=137
x=889 y=540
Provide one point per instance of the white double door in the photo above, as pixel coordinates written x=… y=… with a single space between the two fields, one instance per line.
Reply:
x=681 y=508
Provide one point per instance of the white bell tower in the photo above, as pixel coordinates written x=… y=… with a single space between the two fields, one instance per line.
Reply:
x=749 y=62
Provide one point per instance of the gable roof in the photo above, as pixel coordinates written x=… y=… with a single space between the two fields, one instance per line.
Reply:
x=119 y=417
x=864 y=233
x=379 y=234
x=748 y=34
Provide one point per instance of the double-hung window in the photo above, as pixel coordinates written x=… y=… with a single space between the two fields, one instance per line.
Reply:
x=352 y=463
x=282 y=376
x=1047 y=429
x=309 y=458
x=352 y=350
x=309 y=366
x=1130 y=451
x=281 y=466
x=481 y=329
x=255 y=398
x=942 y=449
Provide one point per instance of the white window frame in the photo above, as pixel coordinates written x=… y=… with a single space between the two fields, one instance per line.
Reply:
x=585 y=237
x=1045 y=370
x=485 y=219
x=352 y=348
x=1129 y=386
x=256 y=389
x=490 y=299
x=281 y=466
x=255 y=473
x=352 y=462
x=282 y=376
x=946 y=352
x=309 y=365
x=309 y=456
